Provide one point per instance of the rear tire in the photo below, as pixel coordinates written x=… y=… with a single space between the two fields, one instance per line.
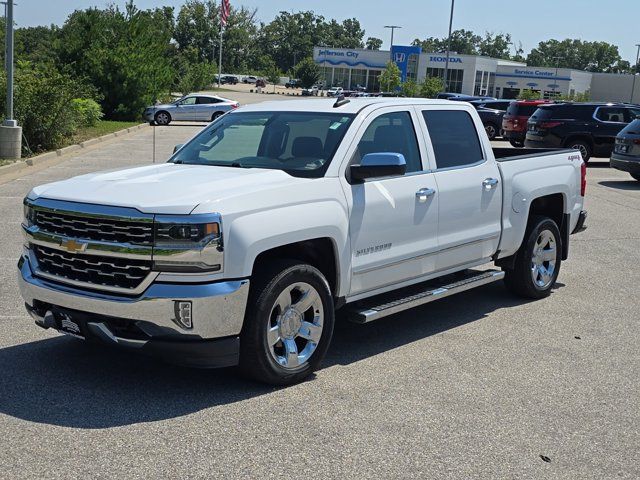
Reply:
x=517 y=143
x=216 y=115
x=288 y=325
x=537 y=262
x=492 y=130
x=583 y=147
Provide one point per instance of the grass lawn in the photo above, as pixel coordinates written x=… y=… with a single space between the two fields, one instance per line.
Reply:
x=103 y=127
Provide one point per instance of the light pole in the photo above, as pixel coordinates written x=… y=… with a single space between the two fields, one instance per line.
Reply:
x=392 y=27
x=555 y=81
x=10 y=132
x=446 y=65
x=635 y=74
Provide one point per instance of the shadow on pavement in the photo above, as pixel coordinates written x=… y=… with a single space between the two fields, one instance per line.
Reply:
x=621 y=184
x=63 y=381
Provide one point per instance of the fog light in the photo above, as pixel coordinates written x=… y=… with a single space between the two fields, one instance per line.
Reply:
x=183 y=313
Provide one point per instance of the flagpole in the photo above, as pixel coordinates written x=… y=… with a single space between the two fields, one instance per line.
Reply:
x=220 y=58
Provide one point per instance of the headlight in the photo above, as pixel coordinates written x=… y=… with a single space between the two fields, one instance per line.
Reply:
x=188 y=243
x=29 y=214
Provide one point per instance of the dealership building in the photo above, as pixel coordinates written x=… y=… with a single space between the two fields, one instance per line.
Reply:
x=468 y=74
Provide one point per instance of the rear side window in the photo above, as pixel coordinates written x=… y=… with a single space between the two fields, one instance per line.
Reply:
x=542 y=114
x=454 y=138
x=392 y=133
x=611 y=114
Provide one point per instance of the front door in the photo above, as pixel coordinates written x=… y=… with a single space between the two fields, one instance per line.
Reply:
x=469 y=189
x=186 y=110
x=393 y=220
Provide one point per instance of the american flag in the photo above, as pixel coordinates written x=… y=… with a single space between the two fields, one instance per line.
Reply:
x=224 y=12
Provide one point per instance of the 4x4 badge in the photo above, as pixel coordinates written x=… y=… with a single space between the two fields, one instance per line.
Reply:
x=72 y=246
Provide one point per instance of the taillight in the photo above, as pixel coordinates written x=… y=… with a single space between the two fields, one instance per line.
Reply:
x=637 y=141
x=549 y=124
x=235 y=105
x=583 y=179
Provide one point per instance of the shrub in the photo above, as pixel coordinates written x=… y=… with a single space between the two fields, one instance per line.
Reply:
x=43 y=105
x=431 y=87
x=307 y=72
x=88 y=111
x=195 y=77
x=410 y=89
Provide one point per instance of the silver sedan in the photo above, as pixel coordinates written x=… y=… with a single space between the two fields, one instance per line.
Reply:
x=190 y=108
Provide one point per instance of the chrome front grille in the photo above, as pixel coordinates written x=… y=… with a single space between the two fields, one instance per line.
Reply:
x=103 y=229
x=92 y=270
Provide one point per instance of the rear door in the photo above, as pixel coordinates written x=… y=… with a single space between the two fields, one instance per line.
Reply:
x=469 y=190
x=393 y=221
x=205 y=108
x=609 y=122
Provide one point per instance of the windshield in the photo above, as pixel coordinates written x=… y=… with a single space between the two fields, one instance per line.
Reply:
x=299 y=143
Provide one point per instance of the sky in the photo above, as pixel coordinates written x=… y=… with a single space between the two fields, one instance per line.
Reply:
x=528 y=23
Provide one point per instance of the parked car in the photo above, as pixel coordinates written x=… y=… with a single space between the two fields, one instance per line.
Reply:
x=334 y=91
x=229 y=80
x=191 y=108
x=626 y=153
x=249 y=79
x=589 y=127
x=293 y=83
x=242 y=246
x=492 y=121
x=514 y=122
x=307 y=92
x=501 y=105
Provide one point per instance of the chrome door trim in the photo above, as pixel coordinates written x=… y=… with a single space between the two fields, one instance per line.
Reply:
x=423 y=255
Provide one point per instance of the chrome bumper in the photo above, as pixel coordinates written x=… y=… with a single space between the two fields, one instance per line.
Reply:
x=217 y=308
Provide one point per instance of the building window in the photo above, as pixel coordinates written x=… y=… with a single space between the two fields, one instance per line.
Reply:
x=456 y=77
x=326 y=76
x=478 y=85
x=358 y=78
x=492 y=84
x=341 y=77
x=412 y=67
x=373 y=84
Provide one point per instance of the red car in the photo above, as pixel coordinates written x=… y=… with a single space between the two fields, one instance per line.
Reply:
x=514 y=122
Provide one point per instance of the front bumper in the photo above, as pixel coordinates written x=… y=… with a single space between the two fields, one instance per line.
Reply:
x=147 y=322
x=626 y=163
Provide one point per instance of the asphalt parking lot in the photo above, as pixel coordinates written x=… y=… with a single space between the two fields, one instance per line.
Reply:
x=479 y=385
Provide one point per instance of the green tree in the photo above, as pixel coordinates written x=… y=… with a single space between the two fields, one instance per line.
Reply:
x=430 y=45
x=495 y=45
x=126 y=55
x=528 y=95
x=431 y=86
x=410 y=89
x=390 y=77
x=373 y=43
x=197 y=30
x=308 y=72
x=577 y=54
x=273 y=74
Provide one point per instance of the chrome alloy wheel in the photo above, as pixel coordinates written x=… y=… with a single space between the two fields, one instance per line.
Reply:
x=581 y=148
x=491 y=131
x=295 y=325
x=543 y=260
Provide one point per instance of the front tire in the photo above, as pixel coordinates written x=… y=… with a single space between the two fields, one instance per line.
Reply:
x=537 y=262
x=288 y=325
x=162 y=118
x=517 y=143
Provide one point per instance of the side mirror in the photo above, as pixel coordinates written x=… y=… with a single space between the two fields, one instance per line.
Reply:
x=178 y=147
x=383 y=164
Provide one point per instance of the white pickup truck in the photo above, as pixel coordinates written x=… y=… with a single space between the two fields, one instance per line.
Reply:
x=239 y=249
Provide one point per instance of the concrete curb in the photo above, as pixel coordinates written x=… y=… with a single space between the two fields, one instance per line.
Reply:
x=8 y=172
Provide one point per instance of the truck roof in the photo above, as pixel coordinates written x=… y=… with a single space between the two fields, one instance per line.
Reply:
x=326 y=104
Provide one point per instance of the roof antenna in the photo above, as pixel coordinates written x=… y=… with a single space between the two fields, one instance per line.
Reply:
x=340 y=101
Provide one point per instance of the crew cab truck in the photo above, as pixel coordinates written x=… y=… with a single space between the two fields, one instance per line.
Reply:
x=239 y=249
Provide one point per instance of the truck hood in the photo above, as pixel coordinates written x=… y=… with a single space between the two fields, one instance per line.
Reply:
x=166 y=188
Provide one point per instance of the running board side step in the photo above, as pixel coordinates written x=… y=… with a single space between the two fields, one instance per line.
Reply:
x=363 y=313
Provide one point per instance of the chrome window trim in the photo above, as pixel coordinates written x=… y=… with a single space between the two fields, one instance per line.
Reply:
x=595 y=115
x=90 y=210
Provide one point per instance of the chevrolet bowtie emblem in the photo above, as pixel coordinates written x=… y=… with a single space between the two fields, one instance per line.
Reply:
x=72 y=246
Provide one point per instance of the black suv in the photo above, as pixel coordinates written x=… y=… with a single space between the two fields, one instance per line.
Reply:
x=588 y=127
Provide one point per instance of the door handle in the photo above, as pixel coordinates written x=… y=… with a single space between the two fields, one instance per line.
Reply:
x=424 y=193
x=489 y=183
